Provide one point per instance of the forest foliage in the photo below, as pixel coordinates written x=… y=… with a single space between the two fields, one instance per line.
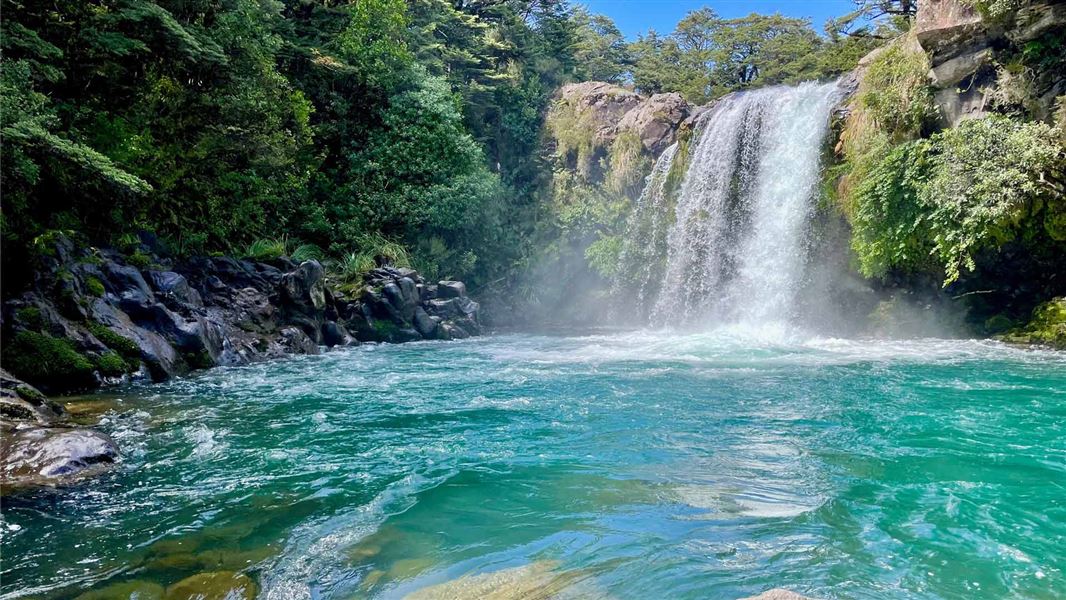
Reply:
x=336 y=129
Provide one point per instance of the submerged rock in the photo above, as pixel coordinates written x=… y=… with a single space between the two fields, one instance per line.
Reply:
x=128 y=590
x=220 y=585
x=777 y=594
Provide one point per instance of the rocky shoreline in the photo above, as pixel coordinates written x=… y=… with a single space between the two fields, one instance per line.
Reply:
x=97 y=317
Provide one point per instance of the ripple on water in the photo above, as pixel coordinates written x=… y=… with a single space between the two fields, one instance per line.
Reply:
x=630 y=465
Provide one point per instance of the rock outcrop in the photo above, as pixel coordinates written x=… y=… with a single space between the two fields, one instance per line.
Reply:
x=39 y=445
x=962 y=46
x=93 y=318
x=607 y=110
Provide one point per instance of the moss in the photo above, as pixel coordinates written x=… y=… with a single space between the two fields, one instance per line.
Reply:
x=139 y=259
x=29 y=317
x=125 y=347
x=1046 y=327
x=198 y=360
x=31 y=395
x=94 y=286
x=111 y=364
x=42 y=359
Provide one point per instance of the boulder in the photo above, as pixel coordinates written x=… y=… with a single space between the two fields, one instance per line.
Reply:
x=127 y=590
x=175 y=290
x=334 y=334
x=656 y=120
x=48 y=455
x=451 y=289
x=295 y=341
x=425 y=324
x=303 y=298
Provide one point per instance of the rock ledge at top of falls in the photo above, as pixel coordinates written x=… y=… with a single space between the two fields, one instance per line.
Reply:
x=612 y=109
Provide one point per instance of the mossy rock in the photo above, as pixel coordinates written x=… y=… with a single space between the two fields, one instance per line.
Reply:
x=220 y=585
x=110 y=364
x=1046 y=327
x=46 y=361
x=30 y=317
x=94 y=286
x=129 y=590
x=126 y=348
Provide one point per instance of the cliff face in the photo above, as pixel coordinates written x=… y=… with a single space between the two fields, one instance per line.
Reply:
x=966 y=50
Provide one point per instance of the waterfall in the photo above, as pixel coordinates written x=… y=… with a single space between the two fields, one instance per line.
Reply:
x=646 y=230
x=735 y=250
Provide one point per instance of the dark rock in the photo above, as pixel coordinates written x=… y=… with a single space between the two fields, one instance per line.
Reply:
x=252 y=311
x=295 y=341
x=162 y=359
x=451 y=289
x=127 y=284
x=21 y=401
x=334 y=334
x=303 y=298
x=425 y=324
x=174 y=288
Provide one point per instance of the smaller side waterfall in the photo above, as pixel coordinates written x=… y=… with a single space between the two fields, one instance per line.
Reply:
x=644 y=247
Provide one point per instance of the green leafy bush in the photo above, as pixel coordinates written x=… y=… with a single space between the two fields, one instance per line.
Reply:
x=43 y=360
x=976 y=186
x=307 y=252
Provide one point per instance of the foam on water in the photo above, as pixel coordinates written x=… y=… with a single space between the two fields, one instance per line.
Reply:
x=632 y=464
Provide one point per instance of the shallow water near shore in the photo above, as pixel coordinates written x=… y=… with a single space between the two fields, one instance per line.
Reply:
x=620 y=465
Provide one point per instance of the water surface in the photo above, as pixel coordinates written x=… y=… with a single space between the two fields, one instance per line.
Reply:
x=629 y=466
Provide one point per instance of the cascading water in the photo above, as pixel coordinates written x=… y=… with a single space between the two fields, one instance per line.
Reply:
x=646 y=229
x=736 y=249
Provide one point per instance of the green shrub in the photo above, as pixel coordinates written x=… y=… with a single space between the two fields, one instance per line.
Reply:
x=935 y=203
x=43 y=360
x=602 y=255
x=29 y=317
x=265 y=249
x=139 y=259
x=307 y=252
x=989 y=177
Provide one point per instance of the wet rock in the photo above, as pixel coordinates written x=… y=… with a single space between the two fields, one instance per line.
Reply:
x=295 y=341
x=20 y=401
x=425 y=324
x=303 y=298
x=334 y=334
x=219 y=585
x=48 y=455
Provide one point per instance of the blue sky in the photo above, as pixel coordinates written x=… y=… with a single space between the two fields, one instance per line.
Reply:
x=634 y=17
